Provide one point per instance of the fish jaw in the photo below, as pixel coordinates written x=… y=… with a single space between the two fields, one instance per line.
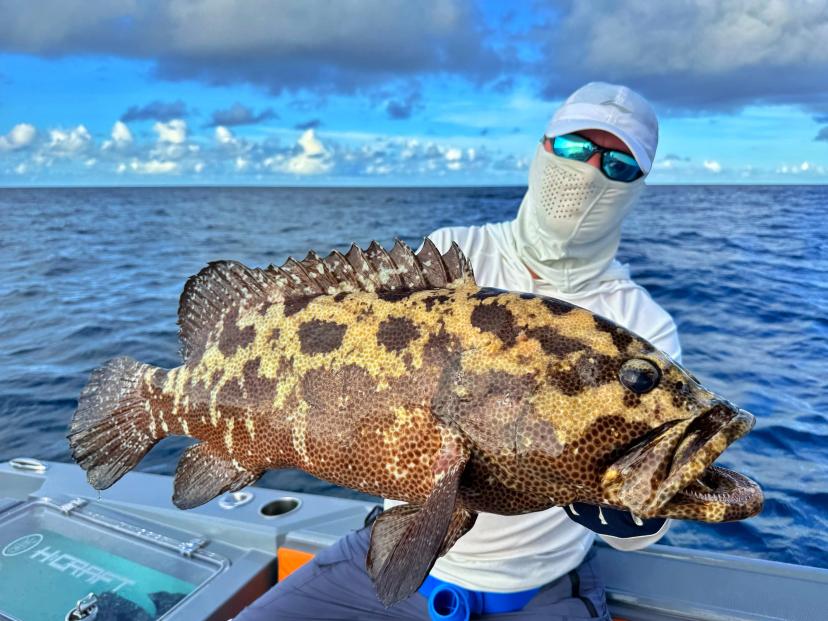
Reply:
x=670 y=474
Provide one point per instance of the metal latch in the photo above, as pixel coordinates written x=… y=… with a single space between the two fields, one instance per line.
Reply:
x=86 y=609
x=188 y=548
x=70 y=506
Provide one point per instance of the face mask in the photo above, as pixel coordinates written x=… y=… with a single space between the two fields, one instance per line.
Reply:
x=574 y=203
x=569 y=224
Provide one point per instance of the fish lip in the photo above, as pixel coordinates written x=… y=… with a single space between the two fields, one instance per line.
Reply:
x=689 y=449
x=701 y=459
x=733 y=496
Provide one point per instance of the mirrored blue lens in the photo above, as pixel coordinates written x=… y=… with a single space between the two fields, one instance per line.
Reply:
x=620 y=166
x=573 y=147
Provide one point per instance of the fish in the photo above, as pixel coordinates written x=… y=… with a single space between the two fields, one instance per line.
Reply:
x=395 y=374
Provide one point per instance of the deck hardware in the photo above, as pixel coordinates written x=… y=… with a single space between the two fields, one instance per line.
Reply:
x=187 y=548
x=279 y=507
x=29 y=464
x=234 y=500
x=72 y=505
x=85 y=610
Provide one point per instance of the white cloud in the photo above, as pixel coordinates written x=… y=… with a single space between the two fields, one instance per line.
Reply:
x=121 y=133
x=20 y=136
x=313 y=159
x=153 y=167
x=310 y=143
x=174 y=132
x=121 y=137
x=241 y=163
x=224 y=135
x=805 y=168
x=69 y=142
x=713 y=166
x=453 y=154
x=21 y=169
x=198 y=167
x=378 y=169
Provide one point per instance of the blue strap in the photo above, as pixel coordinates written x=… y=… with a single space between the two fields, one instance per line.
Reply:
x=450 y=602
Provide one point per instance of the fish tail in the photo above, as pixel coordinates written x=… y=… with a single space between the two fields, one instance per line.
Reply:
x=113 y=427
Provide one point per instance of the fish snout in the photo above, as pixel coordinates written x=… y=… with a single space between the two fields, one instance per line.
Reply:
x=679 y=457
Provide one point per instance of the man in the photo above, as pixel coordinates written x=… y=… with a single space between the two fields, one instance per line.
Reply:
x=587 y=171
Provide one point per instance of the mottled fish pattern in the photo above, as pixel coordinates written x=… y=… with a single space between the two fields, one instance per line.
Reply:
x=393 y=373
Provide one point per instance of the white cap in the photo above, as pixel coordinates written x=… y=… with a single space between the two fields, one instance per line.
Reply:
x=615 y=109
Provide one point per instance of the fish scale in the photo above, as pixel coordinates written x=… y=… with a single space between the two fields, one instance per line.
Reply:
x=393 y=373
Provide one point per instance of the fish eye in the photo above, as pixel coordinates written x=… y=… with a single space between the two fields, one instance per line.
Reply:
x=639 y=375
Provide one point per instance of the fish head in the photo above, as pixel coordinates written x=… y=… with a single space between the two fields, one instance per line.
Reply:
x=618 y=423
x=668 y=470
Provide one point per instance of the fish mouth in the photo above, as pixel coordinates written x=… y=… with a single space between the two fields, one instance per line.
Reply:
x=670 y=472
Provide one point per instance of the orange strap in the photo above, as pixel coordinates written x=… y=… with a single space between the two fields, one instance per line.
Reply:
x=289 y=560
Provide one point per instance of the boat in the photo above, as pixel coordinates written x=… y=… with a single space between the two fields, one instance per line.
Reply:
x=68 y=553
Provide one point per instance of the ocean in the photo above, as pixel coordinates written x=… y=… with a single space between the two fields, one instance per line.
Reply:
x=90 y=274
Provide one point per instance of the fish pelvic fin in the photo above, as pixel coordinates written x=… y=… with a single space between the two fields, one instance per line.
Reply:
x=407 y=540
x=224 y=289
x=204 y=472
x=112 y=428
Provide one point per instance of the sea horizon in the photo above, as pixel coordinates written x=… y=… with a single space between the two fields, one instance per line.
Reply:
x=376 y=186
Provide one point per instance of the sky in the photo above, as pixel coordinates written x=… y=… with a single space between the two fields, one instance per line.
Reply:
x=391 y=92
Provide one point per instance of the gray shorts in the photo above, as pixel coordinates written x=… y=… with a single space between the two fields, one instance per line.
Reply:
x=335 y=586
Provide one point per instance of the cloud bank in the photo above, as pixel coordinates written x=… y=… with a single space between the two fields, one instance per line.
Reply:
x=688 y=55
x=693 y=54
x=176 y=152
x=291 y=44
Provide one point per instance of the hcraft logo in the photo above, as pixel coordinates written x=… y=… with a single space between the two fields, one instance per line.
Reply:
x=22 y=544
x=64 y=563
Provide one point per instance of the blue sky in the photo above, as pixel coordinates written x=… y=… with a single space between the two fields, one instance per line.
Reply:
x=385 y=92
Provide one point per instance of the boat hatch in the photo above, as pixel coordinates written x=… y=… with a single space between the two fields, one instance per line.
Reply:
x=56 y=552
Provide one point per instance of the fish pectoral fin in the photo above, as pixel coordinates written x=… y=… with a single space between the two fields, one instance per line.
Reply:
x=406 y=540
x=205 y=472
x=462 y=520
x=390 y=527
x=388 y=530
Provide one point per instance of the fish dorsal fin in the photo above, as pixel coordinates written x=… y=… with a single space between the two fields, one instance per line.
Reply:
x=404 y=258
x=220 y=288
x=434 y=269
x=225 y=288
x=457 y=265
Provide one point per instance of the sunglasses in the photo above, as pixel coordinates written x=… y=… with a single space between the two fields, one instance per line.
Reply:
x=615 y=165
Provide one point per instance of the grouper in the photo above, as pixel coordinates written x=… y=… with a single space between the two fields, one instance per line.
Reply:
x=395 y=374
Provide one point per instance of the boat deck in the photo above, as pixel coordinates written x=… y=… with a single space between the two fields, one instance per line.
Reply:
x=240 y=544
